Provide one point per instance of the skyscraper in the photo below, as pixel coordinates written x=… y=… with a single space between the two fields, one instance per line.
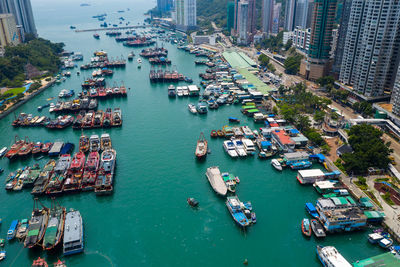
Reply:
x=267 y=15
x=22 y=11
x=372 y=47
x=186 y=16
x=396 y=95
x=301 y=14
x=230 y=18
x=344 y=22
x=251 y=24
x=276 y=18
x=290 y=13
x=164 y=6
x=242 y=22
x=8 y=30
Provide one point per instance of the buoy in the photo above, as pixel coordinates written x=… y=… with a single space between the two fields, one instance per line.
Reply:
x=246 y=262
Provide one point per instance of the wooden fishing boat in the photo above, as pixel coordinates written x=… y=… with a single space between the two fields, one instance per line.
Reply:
x=201 y=147
x=37 y=225
x=84 y=143
x=220 y=133
x=105 y=142
x=55 y=227
x=26 y=149
x=306 y=227
x=46 y=147
x=36 y=148
x=18 y=143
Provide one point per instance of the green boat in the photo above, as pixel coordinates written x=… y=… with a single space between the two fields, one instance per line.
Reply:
x=55 y=227
x=32 y=176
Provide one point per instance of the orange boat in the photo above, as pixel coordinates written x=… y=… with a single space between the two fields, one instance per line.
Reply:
x=39 y=262
x=18 y=143
x=306 y=227
x=26 y=149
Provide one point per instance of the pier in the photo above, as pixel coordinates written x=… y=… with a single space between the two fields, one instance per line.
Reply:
x=114 y=28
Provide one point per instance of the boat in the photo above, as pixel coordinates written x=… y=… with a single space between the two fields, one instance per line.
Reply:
x=171 y=91
x=374 y=238
x=230 y=181
x=2 y=242
x=2 y=255
x=317 y=228
x=96 y=36
x=14 y=149
x=276 y=164
x=12 y=230
x=116 y=117
x=55 y=227
x=139 y=61
x=36 y=148
x=37 y=225
x=385 y=242
x=3 y=151
x=201 y=147
x=22 y=229
x=107 y=118
x=192 y=108
x=90 y=171
x=67 y=148
x=131 y=55
x=239 y=147
x=26 y=148
x=74 y=173
x=12 y=179
x=56 y=148
x=34 y=173
x=192 y=202
x=84 y=143
x=46 y=146
x=237 y=210
x=233 y=119
x=216 y=181
x=60 y=263
x=220 y=133
x=306 y=227
x=201 y=108
x=214 y=133
x=312 y=210
x=94 y=143
x=73 y=233
x=105 y=178
x=330 y=257
x=56 y=181
x=105 y=142
x=229 y=147
x=42 y=180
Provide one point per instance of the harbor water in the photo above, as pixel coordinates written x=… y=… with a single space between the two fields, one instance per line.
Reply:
x=147 y=222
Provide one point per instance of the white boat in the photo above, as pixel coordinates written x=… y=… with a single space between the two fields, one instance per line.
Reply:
x=179 y=91
x=249 y=146
x=3 y=151
x=62 y=93
x=192 y=108
x=275 y=163
x=185 y=91
x=330 y=257
x=247 y=132
x=52 y=107
x=216 y=181
x=239 y=147
x=139 y=61
x=94 y=143
x=229 y=147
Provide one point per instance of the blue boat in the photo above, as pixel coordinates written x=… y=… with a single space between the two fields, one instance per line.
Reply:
x=67 y=148
x=312 y=210
x=300 y=165
x=12 y=231
x=233 y=119
x=237 y=211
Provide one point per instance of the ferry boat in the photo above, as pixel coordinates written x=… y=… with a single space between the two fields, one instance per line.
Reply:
x=94 y=142
x=330 y=257
x=55 y=228
x=84 y=143
x=105 y=178
x=171 y=91
x=236 y=209
x=216 y=181
x=90 y=171
x=306 y=227
x=317 y=228
x=57 y=180
x=37 y=225
x=105 y=142
x=73 y=233
x=12 y=230
x=74 y=174
x=229 y=147
x=42 y=180
x=192 y=108
x=276 y=164
x=22 y=229
x=201 y=147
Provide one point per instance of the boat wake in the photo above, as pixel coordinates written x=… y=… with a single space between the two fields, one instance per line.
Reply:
x=102 y=255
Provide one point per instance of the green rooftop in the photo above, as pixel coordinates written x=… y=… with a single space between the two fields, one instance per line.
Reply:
x=236 y=60
x=383 y=260
x=258 y=84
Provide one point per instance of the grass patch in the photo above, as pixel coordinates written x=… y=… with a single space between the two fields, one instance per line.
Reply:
x=15 y=91
x=387 y=199
x=381 y=180
x=372 y=197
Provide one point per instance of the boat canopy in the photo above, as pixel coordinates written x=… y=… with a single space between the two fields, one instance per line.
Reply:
x=310 y=207
x=265 y=144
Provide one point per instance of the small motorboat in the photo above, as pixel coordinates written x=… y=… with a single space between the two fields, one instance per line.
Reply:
x=214 y=133
x=192 y=202
x=233 y=119
x=276 y=164
x=192 y=108
x=2 y=242
x=305 y=227
x=385 y=242
x=2 y=255
x=220 y=133
x=253 y=217
x=317 y=228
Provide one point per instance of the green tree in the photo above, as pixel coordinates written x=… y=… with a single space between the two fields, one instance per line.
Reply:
x=319 y=116
x=263 y=59
x=292 y=64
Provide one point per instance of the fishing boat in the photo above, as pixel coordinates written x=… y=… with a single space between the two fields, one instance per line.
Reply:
x=34 y=173
x=37 y=225
x=56 y=181
x=131 y=55
x=306 y=227
x=233 y=119
x=216 y=181
x=201 y=108
x=192 y=108
x=14 y=149
x=84 y=143
x=12 y=230
x=105 y=142
x=105 y=178
x=98 y=119
x=116 y=117
x=36 y=148
x=276 y=164
x=229 y=148
x=201 y=147
x=214 y=133
x=73 y=233
x=237 y=211
x=26 y=148
x=94 y=143
x=12 y=179
x=60 y=263
x=107 y=118
x=46 y=147
x=44 y=176
x=55 y=227
x=90 y=171
x=330 y=257
x=192 y=202
x=39 y=262
x=22 y=229
x=317 y=228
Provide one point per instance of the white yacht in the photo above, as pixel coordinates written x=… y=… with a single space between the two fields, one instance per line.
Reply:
x=239 y=147
x=330 y=257
x=229 y=147
x=276 y=164
x=249 y=146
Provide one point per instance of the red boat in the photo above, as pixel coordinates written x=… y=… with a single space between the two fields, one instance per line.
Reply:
x=39 y=263
x=123 y=90
x=26 y=149
x=102 y=92
x=90 y=173
x=87 y=121
x=73 y=180
x=18 y=143
x=37 y=148
x=46 y=147
x=94 y=92
x=60 y=263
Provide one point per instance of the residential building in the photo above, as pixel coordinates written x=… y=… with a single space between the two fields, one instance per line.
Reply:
x=286 y=37
x=267 y=15
x=301 y=14
x=301 y=38
x=344 y=23
x=371 y=51
x=276 y=18
x=236 y=16
x=310 y=11
x=316 y=65
x=242 y=23
x=396 y=95
x=335 y=34
x=185 y=13
x=251 y=24
x=22 y=11
x=230 y=18
x=9 y=34
x=290 y=13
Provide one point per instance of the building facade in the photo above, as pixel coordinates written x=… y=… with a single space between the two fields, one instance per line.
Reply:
x=242 y=23
x=9 y=34
x=395 y=100
x=301 y=14
x=230 y=18
x=22 y=11
x=276 y=18
x=301 y=38
x=290 y=13
x=164 y=6
x=251 y=24
x=186 y=16
x=372 y=45
x=267 y=15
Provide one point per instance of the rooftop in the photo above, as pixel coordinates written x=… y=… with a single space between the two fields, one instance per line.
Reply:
x=283 y=137
x=385 y=259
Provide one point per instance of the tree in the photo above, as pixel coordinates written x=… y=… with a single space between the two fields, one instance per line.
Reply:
x=292 y=64
x=319 y=116
x=315 y=137
x=303 y=123
x=275 y=110
x=323 y=81
x=263 y=59
x=271 y=67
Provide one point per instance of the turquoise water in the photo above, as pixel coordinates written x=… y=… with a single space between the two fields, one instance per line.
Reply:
x=147 y=222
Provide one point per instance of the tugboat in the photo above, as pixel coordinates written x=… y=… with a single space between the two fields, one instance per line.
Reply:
x=37 y=225
x=305 y=227
x=55 y=228
x=105 y=179
x=201 y=147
